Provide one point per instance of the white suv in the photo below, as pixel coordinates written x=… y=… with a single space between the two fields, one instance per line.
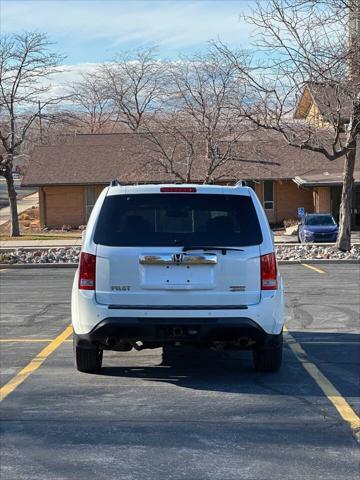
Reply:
x=173 y=265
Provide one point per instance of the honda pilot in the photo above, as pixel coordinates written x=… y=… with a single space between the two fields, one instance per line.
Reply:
x=177 y=265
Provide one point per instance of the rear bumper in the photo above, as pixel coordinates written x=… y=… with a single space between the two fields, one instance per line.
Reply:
x=88 y=315
x=160 y=331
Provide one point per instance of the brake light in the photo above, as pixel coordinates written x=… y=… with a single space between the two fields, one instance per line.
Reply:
x=87 y=271
x=268 y=272
x=178 y=189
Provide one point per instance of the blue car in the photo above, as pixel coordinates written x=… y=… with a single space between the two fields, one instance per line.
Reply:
x=318 y=227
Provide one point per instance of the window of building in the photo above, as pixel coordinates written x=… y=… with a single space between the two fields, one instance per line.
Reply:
x=269 y=195
x=90 y=199
x=250 y=183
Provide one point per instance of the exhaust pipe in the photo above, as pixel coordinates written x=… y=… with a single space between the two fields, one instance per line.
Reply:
x=138 y=345
x=118 y=345
x=123 y=346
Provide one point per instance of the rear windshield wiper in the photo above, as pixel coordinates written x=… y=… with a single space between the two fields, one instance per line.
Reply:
x=214 y=247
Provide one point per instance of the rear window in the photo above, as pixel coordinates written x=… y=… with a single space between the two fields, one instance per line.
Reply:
x=177 y=219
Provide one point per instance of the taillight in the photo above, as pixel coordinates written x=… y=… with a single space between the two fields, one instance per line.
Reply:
x=268 y=272
x=87 y=271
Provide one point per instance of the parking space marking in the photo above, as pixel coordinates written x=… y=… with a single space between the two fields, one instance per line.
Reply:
x=333 y=395
x=318 y=270
x=34 y=364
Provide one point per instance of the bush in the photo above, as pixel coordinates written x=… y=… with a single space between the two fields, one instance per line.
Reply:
x=291 y=222
x=4 y=258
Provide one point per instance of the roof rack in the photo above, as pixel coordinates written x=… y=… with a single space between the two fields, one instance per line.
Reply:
x=114 y=183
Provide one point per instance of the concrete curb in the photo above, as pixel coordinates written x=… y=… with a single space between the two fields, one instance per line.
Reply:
x=319 y=260
x=311 y=244
x=4 y=266
x=11 y=249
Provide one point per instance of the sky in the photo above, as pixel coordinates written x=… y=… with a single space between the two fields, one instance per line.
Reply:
x=91 y=31
x=88 y=32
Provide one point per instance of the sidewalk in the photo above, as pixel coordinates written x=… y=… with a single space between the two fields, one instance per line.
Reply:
x=355 y=238
x=23 y=204
x=18 y=243
x=72 y=242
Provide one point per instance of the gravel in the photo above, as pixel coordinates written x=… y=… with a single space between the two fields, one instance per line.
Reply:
x=315 y=252
x=43 y=255
x=71 y=254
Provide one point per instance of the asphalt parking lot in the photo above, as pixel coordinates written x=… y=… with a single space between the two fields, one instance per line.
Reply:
x=207 y=416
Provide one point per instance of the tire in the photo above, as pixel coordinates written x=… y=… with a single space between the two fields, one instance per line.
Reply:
x=87 y=360
x=268 y=360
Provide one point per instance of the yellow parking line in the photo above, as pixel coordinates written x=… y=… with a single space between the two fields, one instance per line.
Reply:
x=335 y=397
x=35 y=363
x=318 y=270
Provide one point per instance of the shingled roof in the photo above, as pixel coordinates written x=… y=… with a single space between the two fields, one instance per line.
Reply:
x=328 y=97
x=98 y=158
x=328 y=175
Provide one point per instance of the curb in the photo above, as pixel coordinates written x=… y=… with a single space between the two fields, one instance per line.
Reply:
x=5 y=266
x=311 y=244
x=319 y=260
x=41 y=247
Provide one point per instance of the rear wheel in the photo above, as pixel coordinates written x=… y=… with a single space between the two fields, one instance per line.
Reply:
x=87 y=359
x=269 y=359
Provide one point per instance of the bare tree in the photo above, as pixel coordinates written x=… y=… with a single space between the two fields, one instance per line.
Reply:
x=197 y=109
x=133 y=83
x=179 y=150
x=94 y=107
x=205 y=87
x=172 y=146
x=26 y=62
x=308 y=44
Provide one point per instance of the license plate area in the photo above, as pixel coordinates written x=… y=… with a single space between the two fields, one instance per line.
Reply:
x=179 y=331
x=177 y=277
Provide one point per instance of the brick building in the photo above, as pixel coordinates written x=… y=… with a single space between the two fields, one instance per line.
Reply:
x=71 y=174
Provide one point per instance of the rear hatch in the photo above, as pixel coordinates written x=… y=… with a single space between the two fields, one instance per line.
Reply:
x=178 y=251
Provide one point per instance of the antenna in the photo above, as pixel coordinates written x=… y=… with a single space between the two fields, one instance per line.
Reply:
x=240 y=183
x=114 y=183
